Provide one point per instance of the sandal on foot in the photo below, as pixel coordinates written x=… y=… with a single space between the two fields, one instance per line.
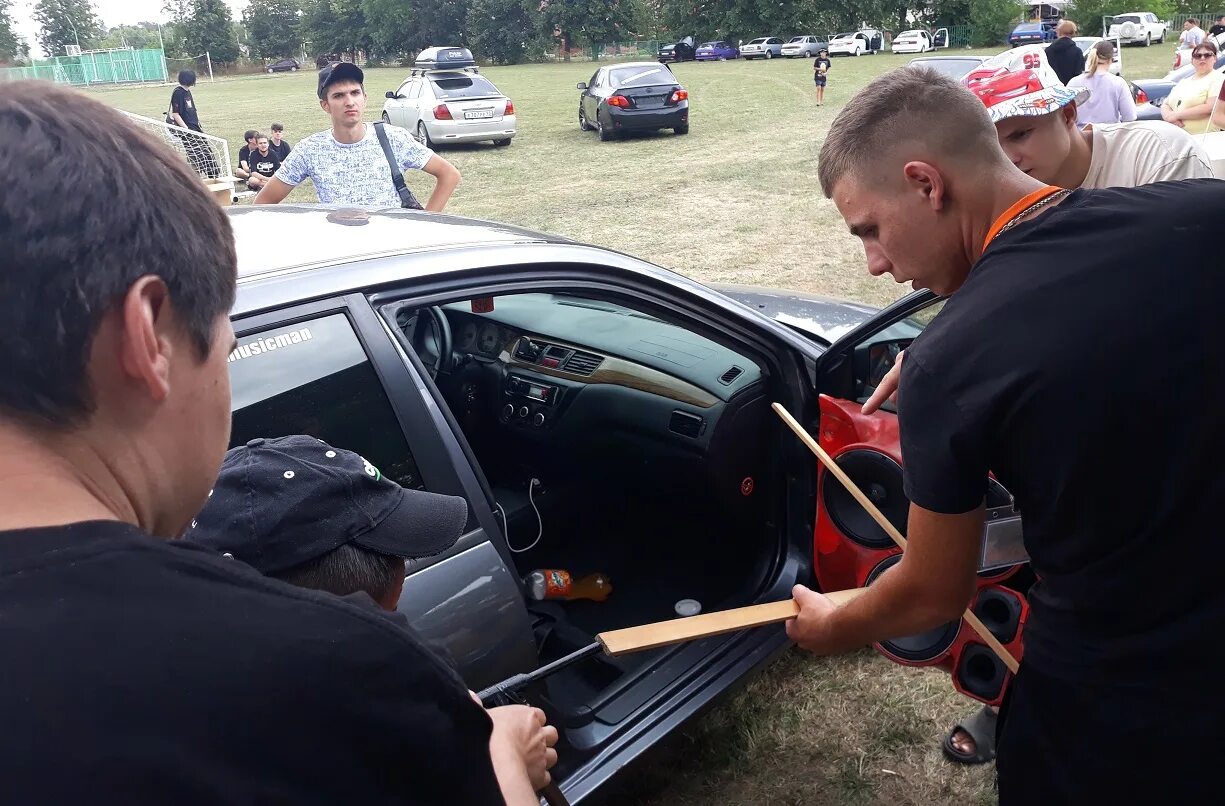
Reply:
x=981 y=728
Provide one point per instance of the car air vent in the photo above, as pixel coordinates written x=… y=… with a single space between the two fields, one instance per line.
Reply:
x=581 y=363
x=732 y=374
x=686 y=424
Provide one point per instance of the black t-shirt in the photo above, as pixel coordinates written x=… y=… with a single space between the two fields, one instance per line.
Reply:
x=819 y=62
x=1065 y=58
x=1216 y=29
x=282 y=150
x=182 y=102
x=244 y=156
x=149 y=672
x=264 y=164
x=1081 y=362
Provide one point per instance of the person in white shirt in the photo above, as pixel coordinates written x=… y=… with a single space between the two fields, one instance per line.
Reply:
x=346 y=163
x=1110 y=98
x=1191 y=34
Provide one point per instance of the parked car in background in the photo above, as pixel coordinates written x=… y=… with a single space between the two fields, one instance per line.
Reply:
x=808 y=46
x=1138 y=28
x=1028 y=33
x=717 y=51
x=857 y=43
x=920 y=41
x=636 y=96
x=1086 y=43
x=284 y=66
x=955 y=67
x=454 y=104
x=682 y=51
x=763 y=47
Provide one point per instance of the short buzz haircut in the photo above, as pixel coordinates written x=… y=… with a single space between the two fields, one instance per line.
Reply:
x=910 y=103
x=347 y=570
x=120 y=206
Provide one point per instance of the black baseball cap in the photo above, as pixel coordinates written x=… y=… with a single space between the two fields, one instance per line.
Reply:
x=339 y=71
x=281 y=502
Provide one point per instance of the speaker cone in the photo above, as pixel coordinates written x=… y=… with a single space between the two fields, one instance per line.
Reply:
x=1000 y=611
x=880 y=478
x=980 y=672
x=921 y=647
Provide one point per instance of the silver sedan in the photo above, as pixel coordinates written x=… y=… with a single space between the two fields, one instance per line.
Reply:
x=451 y=106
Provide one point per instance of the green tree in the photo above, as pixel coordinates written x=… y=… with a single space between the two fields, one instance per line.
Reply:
x=993 y=20
x=335 y=26
x=139 y=36
x=272 y=29
x=392 y=27
x=506 y=31
x=10 y=46
x=589 y=22
x=65 y=22
x=208 y=30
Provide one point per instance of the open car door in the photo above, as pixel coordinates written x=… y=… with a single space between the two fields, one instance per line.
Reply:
x=851 y=550
x=940 y=39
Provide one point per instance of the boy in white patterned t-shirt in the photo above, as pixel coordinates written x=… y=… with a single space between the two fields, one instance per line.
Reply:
x=347 y=163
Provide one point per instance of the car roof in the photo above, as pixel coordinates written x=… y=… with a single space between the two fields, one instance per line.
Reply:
x=287 y=238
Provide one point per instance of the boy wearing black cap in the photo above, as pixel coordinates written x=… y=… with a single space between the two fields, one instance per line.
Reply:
x=347 y=164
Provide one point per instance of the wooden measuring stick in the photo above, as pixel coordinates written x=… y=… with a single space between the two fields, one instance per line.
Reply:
x=988 y=637
x=663 y=633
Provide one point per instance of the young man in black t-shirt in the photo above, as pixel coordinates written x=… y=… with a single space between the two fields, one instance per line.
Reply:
x=243 y=171
x=1062 y=343
x=185 y=115
x=820 y=67
x=277 y=144
x=134 y=665
x=263 y=163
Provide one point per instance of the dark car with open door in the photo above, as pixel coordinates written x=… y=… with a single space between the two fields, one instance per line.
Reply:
x=637 y=96
x=683 y=51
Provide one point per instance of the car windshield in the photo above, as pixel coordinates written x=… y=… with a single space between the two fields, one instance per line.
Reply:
x=1029 y=26
x=640 y=75
x=953 y=68
x=462 y=87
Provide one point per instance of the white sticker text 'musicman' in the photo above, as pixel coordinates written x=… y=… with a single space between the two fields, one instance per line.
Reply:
x=266 y=344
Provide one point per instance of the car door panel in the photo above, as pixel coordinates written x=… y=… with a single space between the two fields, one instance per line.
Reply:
x=852 y=550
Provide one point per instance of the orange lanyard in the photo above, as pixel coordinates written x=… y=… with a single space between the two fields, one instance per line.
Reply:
x=1024 y=205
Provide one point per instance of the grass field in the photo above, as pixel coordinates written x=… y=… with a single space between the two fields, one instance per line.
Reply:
x=736 y=200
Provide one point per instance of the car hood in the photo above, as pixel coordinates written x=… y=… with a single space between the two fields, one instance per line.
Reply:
x=823 y=317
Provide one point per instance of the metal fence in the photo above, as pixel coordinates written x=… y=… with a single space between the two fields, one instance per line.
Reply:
x=121 y=66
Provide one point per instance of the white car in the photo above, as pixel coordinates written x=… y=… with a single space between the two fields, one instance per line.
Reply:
x=1138 y=27
x=808 y=46
x=452 y=104
x=857 y=43
x=763 y=47
x=920 y=41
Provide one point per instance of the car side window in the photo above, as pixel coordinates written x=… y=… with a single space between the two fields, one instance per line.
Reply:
x=874 y=356
x=403 y=90
x=314 y=378
x=414 y=89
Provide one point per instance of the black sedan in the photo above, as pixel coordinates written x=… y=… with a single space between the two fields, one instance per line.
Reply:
x=284 y=66
x=636 y=96
x=683 y=51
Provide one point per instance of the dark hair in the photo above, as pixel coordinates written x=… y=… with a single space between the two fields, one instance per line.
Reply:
x=187 y=78
x=1207 y=44
x=73 y=241
x=348 y=569
x=250 y=133
x=1193 y=20
x=276 y=127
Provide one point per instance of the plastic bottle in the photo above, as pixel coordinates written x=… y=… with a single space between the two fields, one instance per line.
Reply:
x=554 y=583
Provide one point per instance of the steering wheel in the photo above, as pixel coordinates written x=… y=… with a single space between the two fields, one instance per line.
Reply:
x=438 y=355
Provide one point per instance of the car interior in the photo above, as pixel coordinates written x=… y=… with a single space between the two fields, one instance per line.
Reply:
x=615 y=443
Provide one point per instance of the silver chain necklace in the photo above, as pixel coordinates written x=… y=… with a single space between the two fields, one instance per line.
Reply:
x=1033 y=208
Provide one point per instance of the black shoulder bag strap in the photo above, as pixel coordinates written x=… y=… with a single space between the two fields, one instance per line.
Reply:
x=407 y=199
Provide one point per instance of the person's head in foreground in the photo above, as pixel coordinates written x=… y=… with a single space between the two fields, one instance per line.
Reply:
x=302 y=511
x=1066 y=28
x=114 y=387
x=187 y=78
x=342 y=93
x=913 y=164
x=1035 y=117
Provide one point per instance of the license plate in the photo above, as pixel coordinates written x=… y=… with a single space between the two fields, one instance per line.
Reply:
x=478 y=113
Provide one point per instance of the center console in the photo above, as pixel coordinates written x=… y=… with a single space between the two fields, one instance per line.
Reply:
x=529 y=402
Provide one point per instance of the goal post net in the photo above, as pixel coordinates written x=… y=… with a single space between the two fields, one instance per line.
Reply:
x=208 y=156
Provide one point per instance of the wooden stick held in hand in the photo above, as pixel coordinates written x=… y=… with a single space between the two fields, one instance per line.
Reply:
x=975 y=624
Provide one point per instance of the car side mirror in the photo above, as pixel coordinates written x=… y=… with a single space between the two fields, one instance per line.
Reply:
x=873 y=361
x=391 y=95
x=582 y=85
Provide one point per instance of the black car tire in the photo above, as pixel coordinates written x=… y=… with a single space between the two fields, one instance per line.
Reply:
x=386 y=119
x=423 y=135
x=1148 y=40
x=681 y=129
x=605 y=134
x=583 y=125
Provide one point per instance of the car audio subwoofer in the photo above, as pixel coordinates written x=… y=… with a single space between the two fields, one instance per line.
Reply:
x=880 y=478
x=999 y=609
x=980 y=673
x=922 y=648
